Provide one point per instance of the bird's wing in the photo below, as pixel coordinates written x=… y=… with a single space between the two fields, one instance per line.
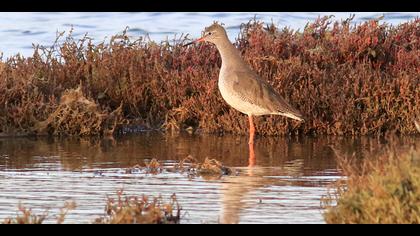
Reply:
x=251 y=88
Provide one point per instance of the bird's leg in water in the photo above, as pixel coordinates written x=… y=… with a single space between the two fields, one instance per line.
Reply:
x=251 y=130
x=251 y=161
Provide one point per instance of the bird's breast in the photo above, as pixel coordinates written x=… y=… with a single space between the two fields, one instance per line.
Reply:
x=234 y=99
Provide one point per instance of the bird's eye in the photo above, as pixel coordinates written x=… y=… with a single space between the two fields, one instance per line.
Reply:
x=209 y=33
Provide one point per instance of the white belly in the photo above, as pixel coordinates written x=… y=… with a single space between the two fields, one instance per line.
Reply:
x=237 y=102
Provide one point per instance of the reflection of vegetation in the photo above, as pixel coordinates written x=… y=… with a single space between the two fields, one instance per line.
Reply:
x=74 y=153
x=378 y=190
x=348 y=79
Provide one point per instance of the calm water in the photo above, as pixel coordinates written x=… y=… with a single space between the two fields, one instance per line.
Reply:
x=20 y=30
x=285 y=186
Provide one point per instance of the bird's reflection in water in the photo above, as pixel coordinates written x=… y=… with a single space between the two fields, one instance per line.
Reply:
x=252 y=161
x=280 y=178
x=236 y=189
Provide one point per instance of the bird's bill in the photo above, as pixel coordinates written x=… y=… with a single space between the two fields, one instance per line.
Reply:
x=195 y=41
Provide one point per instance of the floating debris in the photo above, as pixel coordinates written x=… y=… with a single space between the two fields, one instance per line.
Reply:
x=210 y=167
x=213 y=167
x=149 y=167
x=189 y=165
x=154 y=167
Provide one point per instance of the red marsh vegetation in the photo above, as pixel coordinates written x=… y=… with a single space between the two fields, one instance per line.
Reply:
x=347 y=79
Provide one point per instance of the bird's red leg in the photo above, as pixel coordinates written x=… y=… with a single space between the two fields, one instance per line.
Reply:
x=251 y=161
x=251 y=130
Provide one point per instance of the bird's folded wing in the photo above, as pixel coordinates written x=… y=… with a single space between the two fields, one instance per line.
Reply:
x=251 y=88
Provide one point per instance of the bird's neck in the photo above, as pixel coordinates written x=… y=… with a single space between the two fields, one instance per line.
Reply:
x=230 y=54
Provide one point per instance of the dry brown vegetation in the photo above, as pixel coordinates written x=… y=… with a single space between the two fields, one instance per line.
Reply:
x=140 y=210
x=122 y=210
x=209 y=168
x=137 y=209
x=346 y=79
x=26 y=216
x=383 y=188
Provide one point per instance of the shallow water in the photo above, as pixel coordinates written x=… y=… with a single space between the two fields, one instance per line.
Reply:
x=22 y=29
x=285 y=186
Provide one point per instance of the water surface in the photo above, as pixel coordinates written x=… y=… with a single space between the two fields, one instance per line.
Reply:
x=19 y=30
x=285 y=186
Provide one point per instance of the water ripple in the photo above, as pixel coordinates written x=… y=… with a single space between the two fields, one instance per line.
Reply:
x=43 y=174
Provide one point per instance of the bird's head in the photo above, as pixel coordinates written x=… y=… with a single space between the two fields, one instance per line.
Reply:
x=213 y=34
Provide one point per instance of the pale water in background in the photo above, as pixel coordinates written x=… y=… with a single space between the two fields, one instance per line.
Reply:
x=20 y=30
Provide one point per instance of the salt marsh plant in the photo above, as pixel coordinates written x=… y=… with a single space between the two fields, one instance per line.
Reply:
x=348 y=80
x=384 y=189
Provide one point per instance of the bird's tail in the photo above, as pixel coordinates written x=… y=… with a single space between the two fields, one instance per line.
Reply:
x=295 y=115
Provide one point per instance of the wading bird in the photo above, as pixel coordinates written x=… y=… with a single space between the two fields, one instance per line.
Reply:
x=241 y=87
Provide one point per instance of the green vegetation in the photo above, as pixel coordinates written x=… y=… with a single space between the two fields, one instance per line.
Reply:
x=382 y=190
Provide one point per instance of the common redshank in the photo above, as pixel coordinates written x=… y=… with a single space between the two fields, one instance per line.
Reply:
x=240 y=86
